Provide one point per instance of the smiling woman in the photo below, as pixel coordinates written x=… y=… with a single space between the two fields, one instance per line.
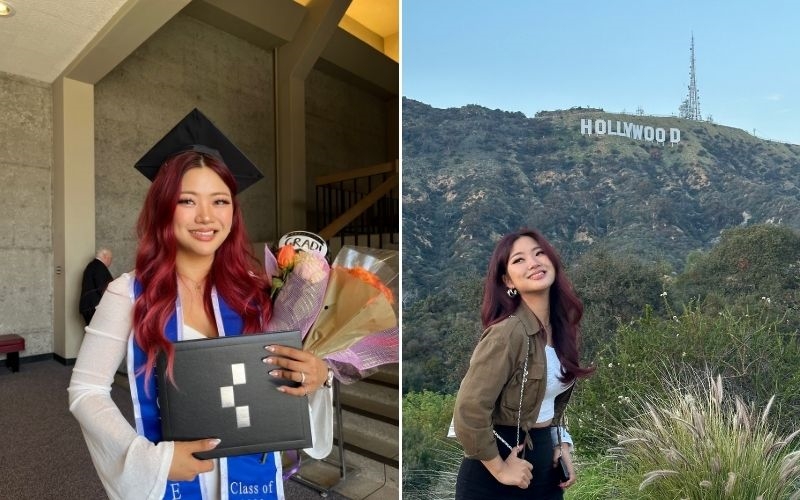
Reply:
x=195 y=278
x=509 y=409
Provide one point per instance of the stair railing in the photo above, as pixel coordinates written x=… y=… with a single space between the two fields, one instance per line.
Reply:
x=359 y=203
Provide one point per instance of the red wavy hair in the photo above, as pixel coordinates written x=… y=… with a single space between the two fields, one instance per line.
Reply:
x=240 y=281
x=566 y=309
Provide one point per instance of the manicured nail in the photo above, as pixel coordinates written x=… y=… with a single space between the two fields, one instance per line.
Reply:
x=270 y=348
x=282 y=389
x=214 y=442
x=274 y=373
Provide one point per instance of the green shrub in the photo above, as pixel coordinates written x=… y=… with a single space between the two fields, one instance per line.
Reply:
x=751 y=350
x=596 y=480
x=426 y=449
x=760 y=262
x=615 y=288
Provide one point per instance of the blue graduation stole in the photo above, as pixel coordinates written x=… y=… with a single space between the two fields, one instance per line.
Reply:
x=241 y=477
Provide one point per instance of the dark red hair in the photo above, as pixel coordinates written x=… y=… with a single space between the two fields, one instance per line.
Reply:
x=566 y=309
x=235 y=272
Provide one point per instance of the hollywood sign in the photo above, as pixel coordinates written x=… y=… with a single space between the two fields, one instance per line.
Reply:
x=627 y=129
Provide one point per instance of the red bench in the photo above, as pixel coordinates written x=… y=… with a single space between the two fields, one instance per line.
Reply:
x=11 y=345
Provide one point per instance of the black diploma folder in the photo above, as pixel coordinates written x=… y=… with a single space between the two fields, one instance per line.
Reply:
x=222 y=389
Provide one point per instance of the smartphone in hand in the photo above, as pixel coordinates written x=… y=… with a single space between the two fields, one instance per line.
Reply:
x=563 y=471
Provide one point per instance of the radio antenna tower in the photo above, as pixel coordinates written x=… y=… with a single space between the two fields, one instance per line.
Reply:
x=690 y=108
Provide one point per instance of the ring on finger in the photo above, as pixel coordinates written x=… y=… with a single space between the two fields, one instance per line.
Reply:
x=302 y=378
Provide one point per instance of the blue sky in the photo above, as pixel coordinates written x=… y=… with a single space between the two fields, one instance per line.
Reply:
x=534 y=55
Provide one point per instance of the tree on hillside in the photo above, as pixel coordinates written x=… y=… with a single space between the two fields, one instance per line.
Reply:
x=748 y=262
x=439 y=334
x=615 y=289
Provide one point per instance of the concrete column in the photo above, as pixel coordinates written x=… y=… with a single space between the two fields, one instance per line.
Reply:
x=294 y=61
x=73 y=208
x=73 y=157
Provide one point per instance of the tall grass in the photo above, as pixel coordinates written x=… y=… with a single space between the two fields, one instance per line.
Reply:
x=438 y=482
x=697 y=442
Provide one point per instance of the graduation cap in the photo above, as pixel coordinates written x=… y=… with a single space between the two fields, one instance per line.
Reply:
x=196 y=133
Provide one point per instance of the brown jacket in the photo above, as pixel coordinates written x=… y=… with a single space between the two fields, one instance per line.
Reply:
x=489 y=393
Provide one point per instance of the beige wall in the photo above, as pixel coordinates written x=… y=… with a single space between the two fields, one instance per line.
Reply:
x=346 y=126
x=26 y=253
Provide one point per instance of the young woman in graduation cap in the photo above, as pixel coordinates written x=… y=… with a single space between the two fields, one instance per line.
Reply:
x=195 y=278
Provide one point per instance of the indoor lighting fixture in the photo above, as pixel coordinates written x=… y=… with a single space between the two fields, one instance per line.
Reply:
x=6 y=10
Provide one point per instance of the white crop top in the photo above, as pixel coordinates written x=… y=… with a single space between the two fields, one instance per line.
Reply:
x=190 y=333
x=554 y=386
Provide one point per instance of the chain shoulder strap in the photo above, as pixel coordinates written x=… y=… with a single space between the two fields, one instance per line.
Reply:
x=521 y=394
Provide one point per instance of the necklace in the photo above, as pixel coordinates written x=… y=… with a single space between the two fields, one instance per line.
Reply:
x=197 y=286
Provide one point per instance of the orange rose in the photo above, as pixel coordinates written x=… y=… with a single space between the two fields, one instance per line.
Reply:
x=286 y=256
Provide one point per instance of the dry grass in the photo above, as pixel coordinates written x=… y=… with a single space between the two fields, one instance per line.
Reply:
x=699 y=442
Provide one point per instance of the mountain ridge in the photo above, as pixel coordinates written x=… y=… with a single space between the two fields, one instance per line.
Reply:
x=471 y=174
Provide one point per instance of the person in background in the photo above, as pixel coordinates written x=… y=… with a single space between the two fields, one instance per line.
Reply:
x=509 y=408
x=195 y=278
x=96 y=278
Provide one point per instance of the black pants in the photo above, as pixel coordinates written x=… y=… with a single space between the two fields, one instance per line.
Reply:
x=475 y=482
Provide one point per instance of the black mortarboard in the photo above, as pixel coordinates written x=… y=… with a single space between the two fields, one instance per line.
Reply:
x=196 y=133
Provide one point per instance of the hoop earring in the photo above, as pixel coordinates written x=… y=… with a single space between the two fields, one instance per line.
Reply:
x=512 y=292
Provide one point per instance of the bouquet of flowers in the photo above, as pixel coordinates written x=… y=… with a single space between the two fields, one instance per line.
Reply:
x=357 y=329
x=346 y=313
x=299 y=280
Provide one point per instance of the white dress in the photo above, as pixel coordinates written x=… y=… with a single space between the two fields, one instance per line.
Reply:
x=129 y=465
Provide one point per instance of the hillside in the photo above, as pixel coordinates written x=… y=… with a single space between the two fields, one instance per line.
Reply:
x=471 y=174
